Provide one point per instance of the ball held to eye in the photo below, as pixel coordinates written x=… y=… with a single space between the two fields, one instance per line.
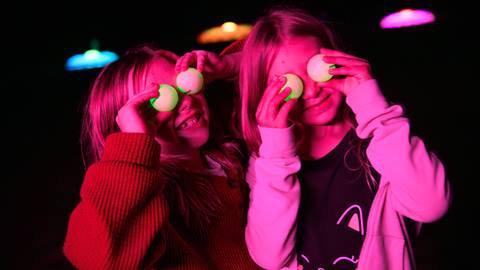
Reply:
x=295 y=83
x=167 y=98
x=189 y=81
x=317 y=69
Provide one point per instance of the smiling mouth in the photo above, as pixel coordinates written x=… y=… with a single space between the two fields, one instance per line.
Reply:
x=312 y=104
x=189 y=122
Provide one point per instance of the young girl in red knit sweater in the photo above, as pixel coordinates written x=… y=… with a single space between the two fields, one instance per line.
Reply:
x=164 y=191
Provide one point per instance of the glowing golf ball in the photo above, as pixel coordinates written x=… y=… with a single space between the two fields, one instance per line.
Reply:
x=167 y=98
x=190 y=81
x=295 y=83
x=317 y=69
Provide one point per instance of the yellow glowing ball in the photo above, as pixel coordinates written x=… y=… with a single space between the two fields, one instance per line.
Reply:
x=190 y=81
x=295 y=83
x=317 y=69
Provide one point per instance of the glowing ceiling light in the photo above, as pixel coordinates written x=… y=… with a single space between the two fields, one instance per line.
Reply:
x=92 y=55
x=92 y=58
x=228 y=31
x=407 y=18
x=229 y=27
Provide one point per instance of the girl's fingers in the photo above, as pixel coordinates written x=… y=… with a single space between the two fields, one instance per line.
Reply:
x=344 y=61
x=276 y=101
x=200 y=59
x=259 y=108
x=180 y=63
x=189 y=61
x=185 y=61
x=273 y=89
x=141 y=103
x=330 y=52
x=336 y=84
x=343 y=71
x=200 y=62
x=270 y=92
x=284 y=111
x=142 y=97
x=335 y=53
x=361 y=72
x=261 y=104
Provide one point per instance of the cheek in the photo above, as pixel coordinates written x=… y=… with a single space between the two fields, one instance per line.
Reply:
x=204 y=106
x=165 y=119
x=324 y=115
x=337 y=99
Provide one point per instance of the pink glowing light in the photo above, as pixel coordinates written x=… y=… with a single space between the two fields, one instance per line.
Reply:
x=407 y=18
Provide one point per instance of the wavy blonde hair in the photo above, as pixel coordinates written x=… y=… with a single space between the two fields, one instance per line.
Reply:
x=190 y=191
x=260 y=48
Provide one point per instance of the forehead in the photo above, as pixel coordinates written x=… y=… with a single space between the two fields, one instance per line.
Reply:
x=294 y=54
x=161 y=71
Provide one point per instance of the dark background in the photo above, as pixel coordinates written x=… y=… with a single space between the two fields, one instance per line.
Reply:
x=429 y=69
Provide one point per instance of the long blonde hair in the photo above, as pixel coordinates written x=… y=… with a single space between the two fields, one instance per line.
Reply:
x=260 y=48
x=190 y=191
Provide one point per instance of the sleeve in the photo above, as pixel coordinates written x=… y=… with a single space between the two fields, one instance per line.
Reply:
x=419 y=188
x=274 y=200
x=120 y=213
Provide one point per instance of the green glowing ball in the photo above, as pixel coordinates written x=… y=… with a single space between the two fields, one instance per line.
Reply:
x=190 y=81
x=295 y=83
x=317 y=69
x=167 y=99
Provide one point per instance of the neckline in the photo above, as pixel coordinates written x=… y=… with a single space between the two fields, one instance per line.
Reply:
x=333 y=154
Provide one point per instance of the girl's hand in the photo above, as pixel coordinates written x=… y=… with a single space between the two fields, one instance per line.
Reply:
x=137 y=115
x=272 y=110
x=210 y=64
x=355 y=71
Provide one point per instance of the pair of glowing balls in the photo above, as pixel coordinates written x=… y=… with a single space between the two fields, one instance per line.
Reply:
x=317 y=70
x=189 y=82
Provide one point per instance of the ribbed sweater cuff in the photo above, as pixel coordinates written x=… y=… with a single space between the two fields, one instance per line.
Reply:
x=136 y=148
x=277 y=142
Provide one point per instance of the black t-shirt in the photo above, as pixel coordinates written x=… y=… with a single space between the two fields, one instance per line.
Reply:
x=335 y=202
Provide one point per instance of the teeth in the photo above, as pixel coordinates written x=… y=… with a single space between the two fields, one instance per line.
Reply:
x=189 y=123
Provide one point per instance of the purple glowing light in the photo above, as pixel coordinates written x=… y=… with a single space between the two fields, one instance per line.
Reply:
x=407 y=18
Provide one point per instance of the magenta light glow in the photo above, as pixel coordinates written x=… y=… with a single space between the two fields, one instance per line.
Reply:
x=407 y=18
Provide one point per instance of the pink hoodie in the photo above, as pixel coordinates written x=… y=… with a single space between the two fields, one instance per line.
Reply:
x=412 y=185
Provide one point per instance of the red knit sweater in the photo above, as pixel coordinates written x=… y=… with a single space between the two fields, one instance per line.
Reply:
x=123 y=219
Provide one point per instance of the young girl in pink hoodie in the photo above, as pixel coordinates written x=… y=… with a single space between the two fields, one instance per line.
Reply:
x=337 y=181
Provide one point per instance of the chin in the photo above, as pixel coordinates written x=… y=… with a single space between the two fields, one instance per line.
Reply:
x=310 y=118
x=196 y=138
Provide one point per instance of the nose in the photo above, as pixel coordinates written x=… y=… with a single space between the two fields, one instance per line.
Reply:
x=187 y=102
x=311 y=90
